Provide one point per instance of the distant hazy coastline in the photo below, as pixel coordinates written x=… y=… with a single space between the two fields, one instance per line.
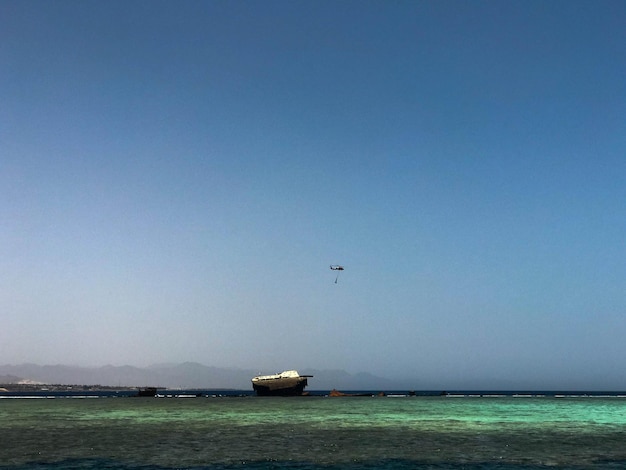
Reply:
x=186 y=375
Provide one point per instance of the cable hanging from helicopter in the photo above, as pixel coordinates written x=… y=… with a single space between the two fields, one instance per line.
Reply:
x=336 y=267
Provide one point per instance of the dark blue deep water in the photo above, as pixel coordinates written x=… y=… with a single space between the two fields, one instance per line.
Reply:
x=423 y=432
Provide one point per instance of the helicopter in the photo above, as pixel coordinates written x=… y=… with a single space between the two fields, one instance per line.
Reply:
x=336 y=267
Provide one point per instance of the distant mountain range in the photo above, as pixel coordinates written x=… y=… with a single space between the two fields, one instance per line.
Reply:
x=188 y=375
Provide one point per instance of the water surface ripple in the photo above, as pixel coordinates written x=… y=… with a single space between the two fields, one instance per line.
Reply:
x=314 y=433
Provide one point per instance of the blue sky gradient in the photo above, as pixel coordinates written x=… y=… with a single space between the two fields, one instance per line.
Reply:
x=177 y=177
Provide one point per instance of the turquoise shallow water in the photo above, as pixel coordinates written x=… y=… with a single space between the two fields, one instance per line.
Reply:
x=313 y=433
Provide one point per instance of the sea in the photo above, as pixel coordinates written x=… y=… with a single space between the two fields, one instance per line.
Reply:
x=219 y=430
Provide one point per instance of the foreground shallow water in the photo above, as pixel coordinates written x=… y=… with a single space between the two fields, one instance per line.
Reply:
x=313 y=433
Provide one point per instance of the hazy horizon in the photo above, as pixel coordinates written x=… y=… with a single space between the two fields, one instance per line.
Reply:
x=197 y=375
x=176 y=179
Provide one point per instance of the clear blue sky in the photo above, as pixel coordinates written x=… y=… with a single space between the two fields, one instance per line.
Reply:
x=177 y=177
